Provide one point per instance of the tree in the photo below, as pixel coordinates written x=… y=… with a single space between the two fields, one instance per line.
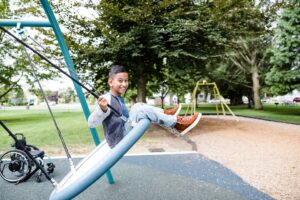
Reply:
x=231 y=70
x=232 y=82
x=191 y=35
x=50 y=95
x=284 y=75
x=14 y=64
x=6 y=73
x=249 y=57
x=17 y=97
x=140 y=35
x=67 y=95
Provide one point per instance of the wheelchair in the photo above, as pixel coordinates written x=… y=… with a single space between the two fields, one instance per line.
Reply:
x=17 y=165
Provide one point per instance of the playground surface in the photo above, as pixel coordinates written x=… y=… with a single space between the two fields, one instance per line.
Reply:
x=264 y=154
x=248 y=159
x=157 y=176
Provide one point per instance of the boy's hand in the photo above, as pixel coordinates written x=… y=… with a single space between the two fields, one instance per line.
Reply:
x=102 y=103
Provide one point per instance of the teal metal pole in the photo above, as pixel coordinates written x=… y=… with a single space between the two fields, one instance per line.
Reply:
x=72 y=72
x=24 y=23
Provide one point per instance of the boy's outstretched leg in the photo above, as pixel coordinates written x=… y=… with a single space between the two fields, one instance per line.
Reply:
x=180 y=124
x=155 y=115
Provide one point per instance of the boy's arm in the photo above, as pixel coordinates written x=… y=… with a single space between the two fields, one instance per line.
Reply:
x=97 y=117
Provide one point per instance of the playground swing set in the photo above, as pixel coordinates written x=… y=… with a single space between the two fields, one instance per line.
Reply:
x=219 y=100
x=95 y=164
x=192 y=107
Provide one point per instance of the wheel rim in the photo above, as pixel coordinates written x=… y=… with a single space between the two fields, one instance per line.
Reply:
x=14 y=166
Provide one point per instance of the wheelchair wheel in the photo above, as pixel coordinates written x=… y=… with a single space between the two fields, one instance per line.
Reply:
x=15 y=166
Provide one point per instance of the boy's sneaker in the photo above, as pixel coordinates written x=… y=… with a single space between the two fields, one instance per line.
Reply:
x=185 y=124
x=174 y=111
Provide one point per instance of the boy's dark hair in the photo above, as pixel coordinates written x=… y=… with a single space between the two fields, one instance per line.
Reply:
x=115 y=69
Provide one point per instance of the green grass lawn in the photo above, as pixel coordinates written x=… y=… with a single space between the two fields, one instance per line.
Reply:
x=39 y=130
x=282 y=113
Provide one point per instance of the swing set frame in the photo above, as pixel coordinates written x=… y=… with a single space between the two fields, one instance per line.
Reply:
x=216 y=94
x=51 y=22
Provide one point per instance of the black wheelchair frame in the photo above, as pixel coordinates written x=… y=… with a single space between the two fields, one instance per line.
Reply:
x=19 y=164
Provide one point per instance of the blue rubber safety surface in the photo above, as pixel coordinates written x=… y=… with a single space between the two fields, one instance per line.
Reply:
x=148 y=177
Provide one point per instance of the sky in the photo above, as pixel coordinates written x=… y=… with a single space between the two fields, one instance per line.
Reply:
x=62 y=83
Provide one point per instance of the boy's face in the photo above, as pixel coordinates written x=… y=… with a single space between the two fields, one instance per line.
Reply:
x=118 y=83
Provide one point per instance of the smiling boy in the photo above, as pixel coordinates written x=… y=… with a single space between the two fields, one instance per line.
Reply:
x=115 y=128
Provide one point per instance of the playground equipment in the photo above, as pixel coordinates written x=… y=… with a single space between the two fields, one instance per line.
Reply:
x=25 y=160
x=51 y=22
x=102 y=158
x=94 y=165
x=218 y=98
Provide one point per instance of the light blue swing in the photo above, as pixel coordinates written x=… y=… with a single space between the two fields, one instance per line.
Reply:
x=93 y=166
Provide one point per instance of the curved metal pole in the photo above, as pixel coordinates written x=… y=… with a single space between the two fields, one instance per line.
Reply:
x=69 y=63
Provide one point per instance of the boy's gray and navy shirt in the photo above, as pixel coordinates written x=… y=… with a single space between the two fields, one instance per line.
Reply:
x=113 y=125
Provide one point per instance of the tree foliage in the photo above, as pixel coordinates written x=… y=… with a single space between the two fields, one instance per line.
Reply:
x=141 y=34
x=245 y=41
x=14 y=64
x=284 y=76
x=177 y=41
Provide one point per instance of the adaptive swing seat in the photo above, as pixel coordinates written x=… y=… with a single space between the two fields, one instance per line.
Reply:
x=93 y=166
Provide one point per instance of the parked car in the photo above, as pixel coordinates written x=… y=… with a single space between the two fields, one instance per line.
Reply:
x=215 y=101
x=296 y=100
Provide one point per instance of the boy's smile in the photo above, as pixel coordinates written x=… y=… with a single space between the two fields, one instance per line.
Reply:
x=118 y=83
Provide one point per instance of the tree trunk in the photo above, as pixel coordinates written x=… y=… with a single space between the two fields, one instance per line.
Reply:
x=162 y=101
x=133 y=99
x=141 y=89
x=205 y=96
x=196 y=99
x=235 y=96
x=256 y=87
x=235 y=100
x=249 y=96
x=171 y=98
x=141 y=82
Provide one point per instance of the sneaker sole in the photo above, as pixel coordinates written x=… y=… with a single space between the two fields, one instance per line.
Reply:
x=178 y=111
x=191 y=126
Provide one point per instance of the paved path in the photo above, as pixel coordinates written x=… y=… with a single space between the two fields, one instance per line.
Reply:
x=149 y=177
